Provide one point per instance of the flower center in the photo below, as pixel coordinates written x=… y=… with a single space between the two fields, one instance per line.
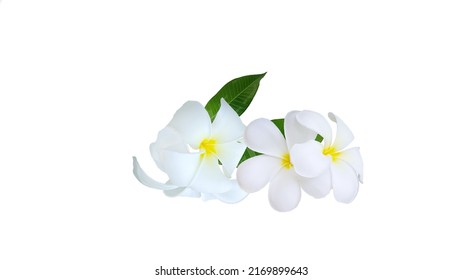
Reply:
x=207 y=147
x=332 y=152
x=285 y=161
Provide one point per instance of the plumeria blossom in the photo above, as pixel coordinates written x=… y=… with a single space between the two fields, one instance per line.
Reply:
x=189 y=150
x=275 y=165
x=329 y=164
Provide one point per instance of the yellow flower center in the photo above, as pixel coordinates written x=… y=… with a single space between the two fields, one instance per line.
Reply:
x=334 y=154
x=207 y=147
x=285 y=162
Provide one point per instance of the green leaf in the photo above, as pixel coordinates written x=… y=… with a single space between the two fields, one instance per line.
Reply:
x=248 y=153
x=319 y=138
x=238 y=93
x=280 y=124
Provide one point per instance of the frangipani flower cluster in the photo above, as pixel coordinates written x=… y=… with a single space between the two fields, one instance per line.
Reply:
x=201 y=147
x=300 y=161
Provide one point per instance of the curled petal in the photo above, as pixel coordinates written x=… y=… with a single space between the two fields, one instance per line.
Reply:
x=284 y=191
x=182 y=192
x=344 y=136
x=148 y=181
x=255 y=173
x=209 y=177
x=317 y=187
x=235 y=195
x=353 y=158
x=317 y=123
x=344 y=182
x=295 y=132
x=227 y=125
x=308 y=159
x=229 y=155
x=180 y=167
x=167 y=138
x=192 y=122
x=263 y=136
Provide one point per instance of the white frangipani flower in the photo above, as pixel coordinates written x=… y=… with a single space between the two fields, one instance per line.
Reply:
x=274 y=166
x=331 y=165
x=189 y=149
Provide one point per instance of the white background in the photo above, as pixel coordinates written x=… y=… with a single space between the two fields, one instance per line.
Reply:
x=85 y=85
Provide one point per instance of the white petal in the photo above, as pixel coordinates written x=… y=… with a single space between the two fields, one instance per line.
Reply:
x=230 y=154
x=227 y=125
x=168 y=138
x=192 y=122
x=148 y=181
x=284 y=191
x=235 y=195
x=319 y=186
x=255 y=173
x=295 y=132
x=344 y=136
x=308 y=159
x=181 y=167
x=263 y=136
x=353 y=158
x=210 y=178
x=182 y=192
x=344 y=181
x=317 y=123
